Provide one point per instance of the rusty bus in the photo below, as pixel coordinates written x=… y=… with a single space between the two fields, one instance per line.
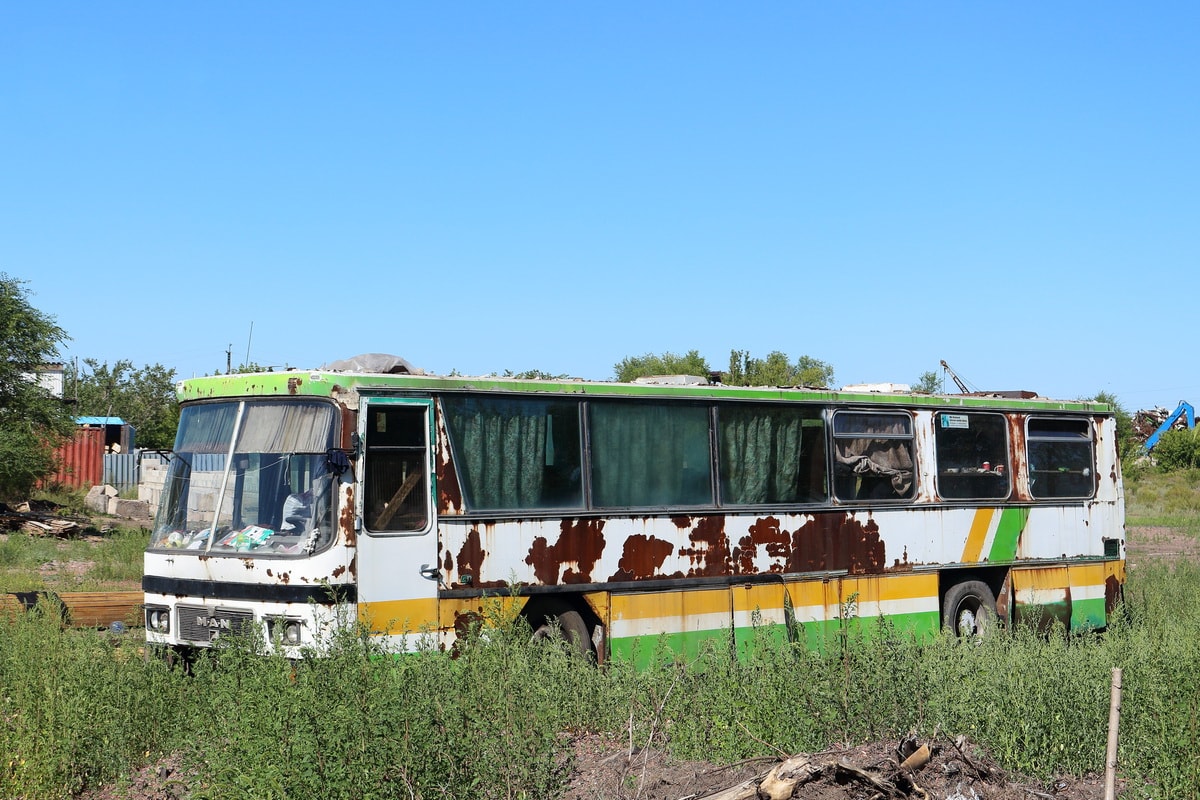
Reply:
x=627 y=516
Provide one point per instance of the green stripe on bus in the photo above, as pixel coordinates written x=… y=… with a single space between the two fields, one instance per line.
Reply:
x=818 y=635
x=1008 y=532
x=1088 y=614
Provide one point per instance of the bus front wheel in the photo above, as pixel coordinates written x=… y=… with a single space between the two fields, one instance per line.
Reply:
x=571 y=627
x=969 y=609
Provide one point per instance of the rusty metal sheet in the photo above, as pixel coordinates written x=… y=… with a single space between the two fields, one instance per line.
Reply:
x=81 y=460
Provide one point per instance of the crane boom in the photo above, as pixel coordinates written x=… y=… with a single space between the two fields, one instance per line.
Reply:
x=962 y=387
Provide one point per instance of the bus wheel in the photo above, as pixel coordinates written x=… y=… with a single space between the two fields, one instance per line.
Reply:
x=969 y=609
x=571 y=627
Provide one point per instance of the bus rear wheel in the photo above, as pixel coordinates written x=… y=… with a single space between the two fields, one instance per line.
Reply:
x=969 y=609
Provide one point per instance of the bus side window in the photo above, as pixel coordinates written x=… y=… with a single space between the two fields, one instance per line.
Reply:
x=396 y=491
x=873 y=455
x=971 y=452
x=1060 y=457
x=770 y=454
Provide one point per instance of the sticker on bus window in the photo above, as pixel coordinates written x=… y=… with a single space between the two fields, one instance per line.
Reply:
x=955 y=421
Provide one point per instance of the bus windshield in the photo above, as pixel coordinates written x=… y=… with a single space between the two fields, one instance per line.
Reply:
x=249 y=476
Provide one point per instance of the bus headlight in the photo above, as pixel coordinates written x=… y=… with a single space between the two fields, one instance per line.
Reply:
x=158 y=619
x=285 y=630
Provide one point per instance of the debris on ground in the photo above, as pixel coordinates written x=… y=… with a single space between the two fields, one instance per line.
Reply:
x=40 y=518
x=937 y=769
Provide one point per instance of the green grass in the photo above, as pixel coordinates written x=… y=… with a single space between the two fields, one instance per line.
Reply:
x=1165 y=499
x=79 y=709
x=97 y=562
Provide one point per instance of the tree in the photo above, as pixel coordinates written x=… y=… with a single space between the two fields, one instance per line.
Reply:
x=32 y=421
x=692 y=363
x=929 y=383
x=1128 y=445
x=145 y=398
x=776 y=369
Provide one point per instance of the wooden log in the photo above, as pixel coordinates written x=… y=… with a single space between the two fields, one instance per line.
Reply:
x=746 y=790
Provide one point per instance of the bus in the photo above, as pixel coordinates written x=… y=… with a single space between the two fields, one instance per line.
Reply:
x=663 y=513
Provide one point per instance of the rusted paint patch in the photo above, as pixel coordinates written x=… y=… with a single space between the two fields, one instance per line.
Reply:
x=833 y=542
x=766 y=533
x=294 y=385
x=1004 y=599
x=285 y=577
x=1113 y=594
x=902 y=563
x=826 y=542
x=346 y=519
x=449 y=493
x=339 y=572
x=1019 y=469
x=471 y=558
x=642 y=558
x=715 y=558
x=580 y=543
x=248 y=563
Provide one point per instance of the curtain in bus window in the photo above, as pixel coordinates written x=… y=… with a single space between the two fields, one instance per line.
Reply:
x=760 y=455
x=882 y=467
x=646 y=454
x=206 y=428
x=516 y=453
x=286 y=428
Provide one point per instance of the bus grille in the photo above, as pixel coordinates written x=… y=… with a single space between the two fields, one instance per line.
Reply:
x=200 y=624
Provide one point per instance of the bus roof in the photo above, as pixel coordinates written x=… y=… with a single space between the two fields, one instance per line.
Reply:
x=329 y=383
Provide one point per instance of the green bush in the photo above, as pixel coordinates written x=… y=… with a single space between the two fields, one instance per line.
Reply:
x=1178 y=449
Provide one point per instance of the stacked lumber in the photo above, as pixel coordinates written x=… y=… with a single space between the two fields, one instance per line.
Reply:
x=101 y=609
x=80 y=609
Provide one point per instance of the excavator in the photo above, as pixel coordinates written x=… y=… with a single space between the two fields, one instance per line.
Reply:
x=1184 y=411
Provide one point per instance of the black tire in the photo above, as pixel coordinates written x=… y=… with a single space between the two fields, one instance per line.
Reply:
x=571 y=628
x=969 y=610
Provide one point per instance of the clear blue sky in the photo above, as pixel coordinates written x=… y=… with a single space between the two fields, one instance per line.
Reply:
x=1012 y=187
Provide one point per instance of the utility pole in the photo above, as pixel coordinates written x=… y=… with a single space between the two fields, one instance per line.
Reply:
x=229 y=359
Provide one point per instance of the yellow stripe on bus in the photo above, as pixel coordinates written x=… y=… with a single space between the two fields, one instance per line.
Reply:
x=649 y=605
x=880 y=588
x=978 y=535
x=398 y=616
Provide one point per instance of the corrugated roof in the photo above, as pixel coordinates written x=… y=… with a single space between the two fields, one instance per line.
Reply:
x=99 y=421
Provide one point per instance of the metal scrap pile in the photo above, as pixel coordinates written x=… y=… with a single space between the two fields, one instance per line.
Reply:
x=1146 y=422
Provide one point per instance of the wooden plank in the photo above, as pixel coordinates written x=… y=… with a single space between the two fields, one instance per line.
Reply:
x=100 y=609
x=21 y=602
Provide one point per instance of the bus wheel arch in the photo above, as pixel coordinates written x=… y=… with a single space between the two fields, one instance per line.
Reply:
x=569 y=616
x=969 y=606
